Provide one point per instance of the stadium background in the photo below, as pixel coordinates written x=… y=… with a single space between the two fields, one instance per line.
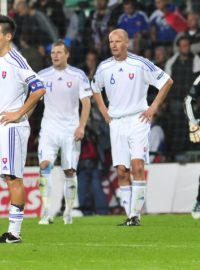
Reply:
x=84 y=25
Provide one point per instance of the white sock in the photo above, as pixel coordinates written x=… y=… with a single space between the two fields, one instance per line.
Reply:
x=15 y=220
x=45 y=182
x=138 y=197
x=70 y=193
x=126 y=192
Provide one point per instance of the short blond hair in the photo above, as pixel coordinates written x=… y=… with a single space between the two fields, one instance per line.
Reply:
x=121 y=32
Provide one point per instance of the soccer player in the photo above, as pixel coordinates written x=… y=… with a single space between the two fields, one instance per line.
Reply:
x=61 y=128
x=16 y=80
x=126 y=78
x=191 y=104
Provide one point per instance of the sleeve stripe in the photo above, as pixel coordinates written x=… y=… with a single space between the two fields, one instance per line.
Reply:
x=18 y=59
x=141 y=59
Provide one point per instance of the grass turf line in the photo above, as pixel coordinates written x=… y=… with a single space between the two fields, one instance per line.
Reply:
x=96 y=243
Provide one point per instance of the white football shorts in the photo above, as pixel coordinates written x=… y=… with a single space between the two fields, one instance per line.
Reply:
x=51 y=142
x=129 y=140
x=13 y=150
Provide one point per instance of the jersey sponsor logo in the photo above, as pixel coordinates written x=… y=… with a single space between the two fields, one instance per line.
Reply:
x=4 y=73
x=30 y=78
x=120 y=70
x=160 y=75
x=5 y=168
x=4 y=160
x=69 y=84
x=60 y=79
x=131 y=76
x=112 y=80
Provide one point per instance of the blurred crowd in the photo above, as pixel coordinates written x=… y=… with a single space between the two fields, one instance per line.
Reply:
x=167 y=32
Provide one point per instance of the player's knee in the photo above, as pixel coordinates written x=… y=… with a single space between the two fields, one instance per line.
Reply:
x=138 y=169
x=69 y=172
x=122 y=172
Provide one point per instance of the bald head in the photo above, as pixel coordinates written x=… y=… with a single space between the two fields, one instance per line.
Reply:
x=121 y=33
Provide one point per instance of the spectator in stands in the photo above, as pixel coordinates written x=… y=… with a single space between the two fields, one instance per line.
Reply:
x=183 y=67
x=135 y=23
x=99 y=26
x=54 y=11
x=166 y=21
x=91 y=168
x=161 y=56
x=90 y=64
x=193 y=33
x=34 y=25
x=31 y=53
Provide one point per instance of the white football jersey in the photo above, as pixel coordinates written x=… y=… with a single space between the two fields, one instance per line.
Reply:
x=16 y=79
x=64 y=89
x=126 y=83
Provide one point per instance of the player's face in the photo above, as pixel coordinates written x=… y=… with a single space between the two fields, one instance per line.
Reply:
x=118 y=45
x=4 y=42
x=59 y=57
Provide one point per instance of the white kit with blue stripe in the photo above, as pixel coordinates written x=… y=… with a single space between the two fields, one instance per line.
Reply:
x=16 y=79
x=64 y=89
x=126 y=83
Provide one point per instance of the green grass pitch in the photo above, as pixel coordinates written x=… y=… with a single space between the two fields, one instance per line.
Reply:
x=96 y=243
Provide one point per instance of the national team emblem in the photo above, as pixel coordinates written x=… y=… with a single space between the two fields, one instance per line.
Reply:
x=4 y=73
x=69 y=84
x=4 y=160
x=131 y=75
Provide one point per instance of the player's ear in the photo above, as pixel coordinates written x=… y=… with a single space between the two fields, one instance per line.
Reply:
x=8 y=36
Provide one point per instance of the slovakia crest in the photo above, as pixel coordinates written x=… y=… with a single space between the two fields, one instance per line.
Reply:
x=69 y=84
x=4 y=73
x=131 y=75
x=4 y=160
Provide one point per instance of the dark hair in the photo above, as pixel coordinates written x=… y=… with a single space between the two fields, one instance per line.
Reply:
x=134 y=3
x=182 y=38
x=61 y=42
x=8 y=25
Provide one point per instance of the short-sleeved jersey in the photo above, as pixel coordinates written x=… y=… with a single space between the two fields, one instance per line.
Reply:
x=16 y=80
x=126 y=83
x=64 y=89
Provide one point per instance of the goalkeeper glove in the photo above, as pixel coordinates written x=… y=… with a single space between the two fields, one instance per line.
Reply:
x=194 y=132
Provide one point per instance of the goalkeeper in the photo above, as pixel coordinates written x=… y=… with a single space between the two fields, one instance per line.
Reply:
x=191 y=106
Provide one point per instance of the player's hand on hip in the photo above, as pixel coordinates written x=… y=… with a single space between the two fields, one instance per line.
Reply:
x=79 y=133
x=194 y=133
x=146 y=117
x=9 y=117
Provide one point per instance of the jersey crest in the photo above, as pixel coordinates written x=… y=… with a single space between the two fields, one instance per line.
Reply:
x=69 y=84
x=131 y=76
x=4 y=73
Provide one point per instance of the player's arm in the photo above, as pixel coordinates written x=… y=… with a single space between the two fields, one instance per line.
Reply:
x=80 y=131
x=148 y=114
x=194 y=129
x=32 y=100
x=102 y=107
